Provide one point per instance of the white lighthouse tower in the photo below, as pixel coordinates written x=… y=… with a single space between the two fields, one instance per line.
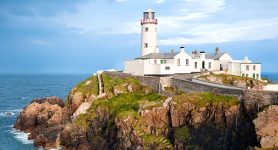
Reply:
x=148 y=33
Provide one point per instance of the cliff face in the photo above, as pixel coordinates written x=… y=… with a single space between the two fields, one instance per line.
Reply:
x=129 y=115
x=266 y=125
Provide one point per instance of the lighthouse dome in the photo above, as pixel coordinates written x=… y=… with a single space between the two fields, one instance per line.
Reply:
x=149 y=10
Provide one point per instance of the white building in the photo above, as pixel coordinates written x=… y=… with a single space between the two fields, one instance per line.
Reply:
x=151 y=62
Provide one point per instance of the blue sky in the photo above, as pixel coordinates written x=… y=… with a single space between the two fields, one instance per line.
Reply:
x=69 y=36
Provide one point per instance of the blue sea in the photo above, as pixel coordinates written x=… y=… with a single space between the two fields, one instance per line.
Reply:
x=16 y=91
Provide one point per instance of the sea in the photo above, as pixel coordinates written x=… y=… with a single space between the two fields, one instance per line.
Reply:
x=18 y=90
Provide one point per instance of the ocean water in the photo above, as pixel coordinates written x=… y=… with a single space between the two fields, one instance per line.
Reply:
x=16 y=91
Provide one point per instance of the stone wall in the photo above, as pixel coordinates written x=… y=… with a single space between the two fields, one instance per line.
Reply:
x=189 y=86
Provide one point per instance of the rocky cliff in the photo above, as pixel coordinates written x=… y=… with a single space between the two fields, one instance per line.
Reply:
x=130 y=115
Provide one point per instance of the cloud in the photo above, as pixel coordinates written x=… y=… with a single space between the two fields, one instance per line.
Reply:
x=160 y=1
x=258 y=29
x=41 y=42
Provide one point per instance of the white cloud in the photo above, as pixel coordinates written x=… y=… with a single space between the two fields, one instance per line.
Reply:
x=40 y=42
x=218 y=33
x=160 y=1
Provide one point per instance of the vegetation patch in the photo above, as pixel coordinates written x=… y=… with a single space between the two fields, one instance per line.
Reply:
x=182 y=133
x=89 y=85
x=204 y=99
x=156 y=142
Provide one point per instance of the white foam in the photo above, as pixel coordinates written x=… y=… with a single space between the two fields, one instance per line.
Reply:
x=21 y=136
x=7 y=114
x=23 y=98
x=10 y=112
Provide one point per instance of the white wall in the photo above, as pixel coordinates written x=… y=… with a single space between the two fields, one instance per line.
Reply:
x=135 y=67
x=182 y=67
x=234 y=68
x=251 y=71
x=149 y=37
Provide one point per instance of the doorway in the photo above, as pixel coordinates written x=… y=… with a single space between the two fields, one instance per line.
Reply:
x=203 y=65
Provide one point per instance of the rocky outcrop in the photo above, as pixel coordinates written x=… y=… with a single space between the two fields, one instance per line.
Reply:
x=43 y=119
x=266 y=125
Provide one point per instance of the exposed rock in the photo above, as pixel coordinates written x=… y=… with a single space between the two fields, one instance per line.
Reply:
x=82 y=109
x=129 y=88
x=103 y=95
x=42 y=118
x=74 y=137
x=117 y=92
x=267 y=127
x=76 y=100
x=167 y=102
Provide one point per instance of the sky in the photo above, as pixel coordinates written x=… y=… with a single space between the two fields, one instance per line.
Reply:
x=70 y=36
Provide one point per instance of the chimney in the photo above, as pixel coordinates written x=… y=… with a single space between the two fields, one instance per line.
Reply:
x=203 y=54
x=195 y=52
x=217 y=50
x=173 y=50
x=182 y=49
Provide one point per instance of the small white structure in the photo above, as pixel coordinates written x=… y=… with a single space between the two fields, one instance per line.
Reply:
x=153 y=63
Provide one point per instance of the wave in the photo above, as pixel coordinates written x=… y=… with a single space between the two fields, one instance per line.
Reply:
x=11 y=112
x=2 y=114
x=21 y=136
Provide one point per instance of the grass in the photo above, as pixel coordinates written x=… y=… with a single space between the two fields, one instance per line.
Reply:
x=182 y=133
x=111 y=83
x=204 y=99
x=89 y=85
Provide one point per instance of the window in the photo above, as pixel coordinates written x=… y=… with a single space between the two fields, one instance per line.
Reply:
x=247 y=75
x=167 y=68
x=209 y=65
x=146 y=29
x=178 y=62
x=146 y=45
x=243 y=75
x=247 y=67
x=155 y=61
x=254 y=67
x=258 y=76
x=187 y=62
x=165 y=61
x=254 y=76
x=196 y=65
x=161 y=61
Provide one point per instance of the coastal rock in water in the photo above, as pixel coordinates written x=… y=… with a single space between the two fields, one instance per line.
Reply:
x=42 y=118
x=267 y=127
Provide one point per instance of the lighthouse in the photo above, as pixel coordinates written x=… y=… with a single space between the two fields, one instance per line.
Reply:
x=149 y=33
